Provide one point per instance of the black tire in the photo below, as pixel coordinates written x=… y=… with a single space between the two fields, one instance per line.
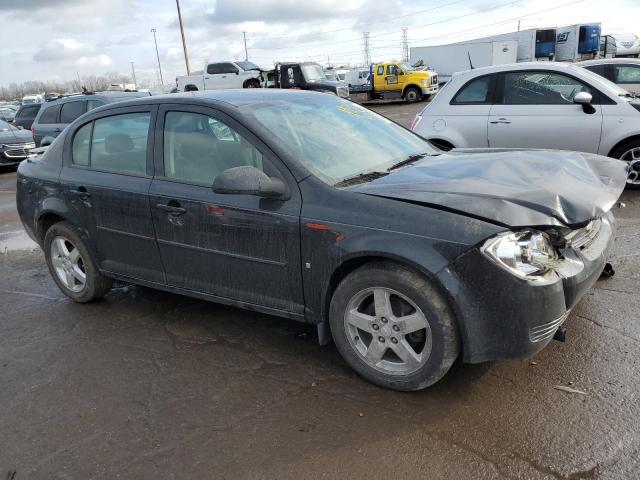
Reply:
x=190 y=88
x=412 y=95
x=252 y=84
x=426 y=98
x=621 y=150
x=445 y=344
x=96 y=285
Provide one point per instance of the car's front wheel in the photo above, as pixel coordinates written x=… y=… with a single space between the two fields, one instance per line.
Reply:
x=393 y=327
x=412 y=95
x=630 y=153
x=71 y=265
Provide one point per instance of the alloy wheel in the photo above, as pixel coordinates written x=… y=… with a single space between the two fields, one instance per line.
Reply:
x=388 y=331
x=632 y=156
x=68 y=264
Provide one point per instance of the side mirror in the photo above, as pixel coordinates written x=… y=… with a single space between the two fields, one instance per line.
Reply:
x=583 y=98
x=237 y=72
x=249 y=181
x=46 y=141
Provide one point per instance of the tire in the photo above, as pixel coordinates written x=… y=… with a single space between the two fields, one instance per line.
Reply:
x=426 y=98
x=190 y=88
x=67 y=271
x=252 y=84
x=630 y=152
x=412 y=95
x=431 y=350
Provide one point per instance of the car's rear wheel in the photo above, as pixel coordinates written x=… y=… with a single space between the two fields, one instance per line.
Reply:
x=393 y=327
x=71 y=265
x=412 y=95
x=630 y=153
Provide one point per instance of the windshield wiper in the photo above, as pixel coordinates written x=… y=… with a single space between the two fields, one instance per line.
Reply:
x=410 y=159
x=360 y=178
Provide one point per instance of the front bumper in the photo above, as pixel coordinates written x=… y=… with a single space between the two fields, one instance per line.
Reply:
x=430 y=90
x=505 y=317
x=13 y=154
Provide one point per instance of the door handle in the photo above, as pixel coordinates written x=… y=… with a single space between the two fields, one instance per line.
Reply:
x=57 y=130
x=171 y=209
x=500 y=120
x=80 y=192
x=206 y=78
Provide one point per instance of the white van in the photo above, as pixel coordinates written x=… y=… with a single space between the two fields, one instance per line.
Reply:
x=35 y=98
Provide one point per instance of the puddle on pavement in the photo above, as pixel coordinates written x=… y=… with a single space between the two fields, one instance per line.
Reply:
x=16 y=240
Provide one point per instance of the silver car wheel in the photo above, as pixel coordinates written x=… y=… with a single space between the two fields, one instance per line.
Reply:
x=68 y=264
x=388 y=331
x=633 y=157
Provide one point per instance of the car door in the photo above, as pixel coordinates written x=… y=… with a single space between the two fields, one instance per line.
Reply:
x=627 y=76
x=238 y=247
x=230 y=77
x=71 y=110
x=535 y=109
x=47 y=123
x=106 y=174
x=213 y=77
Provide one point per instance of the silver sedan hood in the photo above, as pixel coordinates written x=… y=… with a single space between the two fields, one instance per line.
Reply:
x=511 y=187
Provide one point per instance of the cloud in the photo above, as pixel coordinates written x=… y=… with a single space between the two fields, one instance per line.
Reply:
x=56 y=50
x=95 y=61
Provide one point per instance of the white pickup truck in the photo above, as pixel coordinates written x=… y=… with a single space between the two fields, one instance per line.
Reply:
x=221 y=75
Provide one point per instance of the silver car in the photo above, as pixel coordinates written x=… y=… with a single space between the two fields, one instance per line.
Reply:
x=624 y=72
x=535 y=105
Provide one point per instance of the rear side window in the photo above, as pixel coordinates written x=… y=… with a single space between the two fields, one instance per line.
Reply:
x=70 y=111
x=214 y=68
x=50 y=114
x=599 y=69
x=627 y=74
x=381 y=70
x=91 y=104
x=30 y=111
x=477 y=91
x=80 y=149
x=118 y=143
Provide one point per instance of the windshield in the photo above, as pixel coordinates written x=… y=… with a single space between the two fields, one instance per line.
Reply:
x=337 y=139
x=312 y=73
x=407 y=67
x=605 y=84
x=248 y=65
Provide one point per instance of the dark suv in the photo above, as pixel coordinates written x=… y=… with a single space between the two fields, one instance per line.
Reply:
x=26 y=114
x=54 y=116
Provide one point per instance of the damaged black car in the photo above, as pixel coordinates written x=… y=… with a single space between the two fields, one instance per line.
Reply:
x=307 y=206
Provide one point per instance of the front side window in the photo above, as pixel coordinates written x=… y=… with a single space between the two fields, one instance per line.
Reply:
x=336 y=139
x=119 y=143
x=80 y=149
x=197 y=148
x=477 y=91
x=391 y=69
x=627 y=74
x=541 y=88
x=228 y=68
x=70 y=111
x=50 y=114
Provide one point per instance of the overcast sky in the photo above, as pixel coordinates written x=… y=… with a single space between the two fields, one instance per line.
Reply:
x=54 y=39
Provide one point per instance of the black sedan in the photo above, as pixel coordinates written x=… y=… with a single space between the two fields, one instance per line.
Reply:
x=310 y=207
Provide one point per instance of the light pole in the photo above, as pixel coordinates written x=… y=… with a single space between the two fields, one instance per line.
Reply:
x=184 y=44
x=153 y=30
x=133 y=72
x=246 y=54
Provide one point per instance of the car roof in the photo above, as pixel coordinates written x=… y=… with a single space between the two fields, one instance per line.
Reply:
x=558 y=66
x=108 y=96
x=607 y=61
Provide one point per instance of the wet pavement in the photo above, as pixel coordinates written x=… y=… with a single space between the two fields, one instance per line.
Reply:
x=152 y=385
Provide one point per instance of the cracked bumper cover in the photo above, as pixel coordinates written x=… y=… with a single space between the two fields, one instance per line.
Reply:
x=504 y=317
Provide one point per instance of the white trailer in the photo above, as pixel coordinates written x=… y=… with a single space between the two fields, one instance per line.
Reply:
x=533 y=44
x=577 y=42
x=457 y=57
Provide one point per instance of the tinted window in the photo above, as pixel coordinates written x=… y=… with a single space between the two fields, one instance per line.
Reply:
x=119 y=143
x=476 y=91
x=216 y=68
x=70 y=111
x=541 y=88
x=197 y=148
x=30 y=111
x=91 y=104
x=50 y=114
x=629 y=74
x=599 y=69
x=213 y=68
x=80 y=154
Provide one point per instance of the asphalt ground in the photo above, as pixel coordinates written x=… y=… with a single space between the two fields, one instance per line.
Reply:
x=150 y=385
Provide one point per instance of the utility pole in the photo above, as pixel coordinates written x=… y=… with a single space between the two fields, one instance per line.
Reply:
x=184 y=44
x=153 y=30
x=246 y=54
x=133 y=73
x=365 y=45
x=519 y=24
x=405 y=45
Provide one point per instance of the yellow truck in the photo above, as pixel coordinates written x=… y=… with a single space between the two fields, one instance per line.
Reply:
x=394 y=81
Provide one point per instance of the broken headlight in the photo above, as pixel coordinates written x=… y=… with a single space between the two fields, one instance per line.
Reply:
x=526 y=254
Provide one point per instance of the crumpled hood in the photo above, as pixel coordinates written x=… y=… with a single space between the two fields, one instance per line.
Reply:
x=510 y=187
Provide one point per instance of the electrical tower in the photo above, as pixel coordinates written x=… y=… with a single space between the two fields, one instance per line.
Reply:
x=405 y=45
x=365 y=45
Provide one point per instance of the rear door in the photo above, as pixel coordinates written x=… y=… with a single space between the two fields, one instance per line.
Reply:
x=240 y=247
x=107 y=171
x=72 y=110
x=535 y=109
x=48 y=123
